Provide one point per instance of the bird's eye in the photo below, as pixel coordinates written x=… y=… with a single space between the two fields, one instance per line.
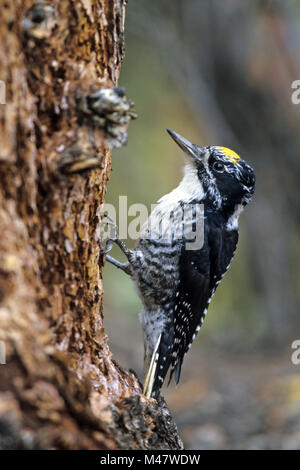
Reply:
x=219 y=167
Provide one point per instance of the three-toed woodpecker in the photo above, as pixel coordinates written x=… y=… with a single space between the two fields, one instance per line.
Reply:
x=183 y=252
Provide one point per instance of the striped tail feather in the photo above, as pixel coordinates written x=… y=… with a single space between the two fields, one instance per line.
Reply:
x=160 y=363
x=150 y=377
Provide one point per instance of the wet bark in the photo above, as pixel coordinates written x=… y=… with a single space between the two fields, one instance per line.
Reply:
x=60 y=387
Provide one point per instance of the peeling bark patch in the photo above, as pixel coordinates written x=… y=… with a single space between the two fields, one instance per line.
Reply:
x=107 y=109
x=74 y=160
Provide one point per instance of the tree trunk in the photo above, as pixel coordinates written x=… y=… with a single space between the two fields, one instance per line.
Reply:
x=60 y=387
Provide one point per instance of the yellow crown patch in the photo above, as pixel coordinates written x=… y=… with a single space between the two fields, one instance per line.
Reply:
x=230 y=154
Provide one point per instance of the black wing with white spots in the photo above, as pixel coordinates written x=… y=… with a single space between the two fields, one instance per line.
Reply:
x=191 y=302
x=187 y=316
x=200 y=273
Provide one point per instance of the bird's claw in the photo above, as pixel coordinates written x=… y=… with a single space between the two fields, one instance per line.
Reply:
x=108 y=245
x=112 y=239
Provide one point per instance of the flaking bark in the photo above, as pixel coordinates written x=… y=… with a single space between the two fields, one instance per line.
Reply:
x=60 y=387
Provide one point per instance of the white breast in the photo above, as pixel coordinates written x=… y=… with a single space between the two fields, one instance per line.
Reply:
x=158 y=223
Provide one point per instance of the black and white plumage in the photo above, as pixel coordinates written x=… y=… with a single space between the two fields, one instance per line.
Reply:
x=174 y=278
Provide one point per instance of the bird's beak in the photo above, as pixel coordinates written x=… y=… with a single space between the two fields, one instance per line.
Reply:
x=190 y=149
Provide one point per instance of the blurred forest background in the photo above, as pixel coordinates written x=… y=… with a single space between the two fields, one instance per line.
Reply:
x=220 y=73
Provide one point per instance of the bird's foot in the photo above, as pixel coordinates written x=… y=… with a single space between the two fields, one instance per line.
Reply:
x=126 y=267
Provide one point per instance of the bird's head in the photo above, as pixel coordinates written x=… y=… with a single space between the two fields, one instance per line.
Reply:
x=226 y=179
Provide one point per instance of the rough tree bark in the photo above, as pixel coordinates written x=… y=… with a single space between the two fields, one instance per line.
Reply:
x=60 y=387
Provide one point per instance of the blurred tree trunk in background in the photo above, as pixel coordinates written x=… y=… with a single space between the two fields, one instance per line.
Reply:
x=60 y=387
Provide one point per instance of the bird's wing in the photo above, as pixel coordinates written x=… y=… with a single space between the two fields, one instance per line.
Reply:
x=186 y=317
x=200 y=273
x=191 y=302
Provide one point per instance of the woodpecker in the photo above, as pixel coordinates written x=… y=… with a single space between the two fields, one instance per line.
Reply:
x=176 y=278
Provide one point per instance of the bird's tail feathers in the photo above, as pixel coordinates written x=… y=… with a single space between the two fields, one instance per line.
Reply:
x=175 y=368
x=151 y=374
x=160 y=363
